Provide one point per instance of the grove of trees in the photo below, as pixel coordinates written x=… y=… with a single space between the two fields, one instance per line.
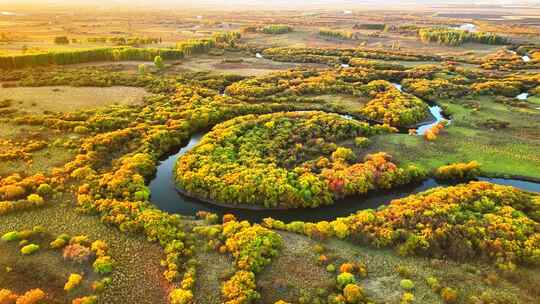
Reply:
x=336 y=34
x=254 y=160
x=453 y=37
x=182 y=50
x=277 y=29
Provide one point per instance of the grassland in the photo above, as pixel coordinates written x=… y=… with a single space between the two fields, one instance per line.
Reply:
x=511 y=151
x=69 y=99
x=138 y=275
x=235 y=63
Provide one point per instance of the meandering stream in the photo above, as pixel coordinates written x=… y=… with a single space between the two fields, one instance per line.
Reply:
x=435 y=110
x=167 y=198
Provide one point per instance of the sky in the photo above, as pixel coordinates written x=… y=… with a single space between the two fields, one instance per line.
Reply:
x=263 y=3
x=258 y=2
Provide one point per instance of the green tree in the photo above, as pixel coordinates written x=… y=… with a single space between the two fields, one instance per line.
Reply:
x=158 y=62
x=142 y=68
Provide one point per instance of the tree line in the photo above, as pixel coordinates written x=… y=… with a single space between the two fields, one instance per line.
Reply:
x=345 y=35
x=182 y=50
x=453 y=37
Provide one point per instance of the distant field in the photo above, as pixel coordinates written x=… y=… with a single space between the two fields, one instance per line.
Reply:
x=239 y=64
x=66 y=99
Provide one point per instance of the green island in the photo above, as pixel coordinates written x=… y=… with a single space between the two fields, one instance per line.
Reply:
x=288 y=160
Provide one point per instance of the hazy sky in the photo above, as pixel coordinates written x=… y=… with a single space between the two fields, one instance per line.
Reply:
x=240 y=3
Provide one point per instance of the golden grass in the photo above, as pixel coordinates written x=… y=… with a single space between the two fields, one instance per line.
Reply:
x=68 y=99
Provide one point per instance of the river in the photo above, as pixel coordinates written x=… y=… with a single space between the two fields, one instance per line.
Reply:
x=167 y=198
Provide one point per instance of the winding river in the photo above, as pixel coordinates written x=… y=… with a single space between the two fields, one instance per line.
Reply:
x=167 y=198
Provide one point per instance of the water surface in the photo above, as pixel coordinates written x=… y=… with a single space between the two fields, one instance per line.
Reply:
x=523 y=96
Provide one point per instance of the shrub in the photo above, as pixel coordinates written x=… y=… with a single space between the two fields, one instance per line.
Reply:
x=346 y=267
x=81 y=240
x=12 y=192
x=58 y=243
x=85 y=300
x=33 y=296
x=228 y=218
x=253 y=247
x=181 y=296
x=406 y=284
x=433 y=283
x=271 y=181
x=81 y=130
x=449 y=295
x=29 y=249
x=240 y=288
x=11 y=236
x=458 y=171
x=471 y=208
x=103 y=265
x=361 y=142
x=158 y=62
x=99 y=247
x=35 y=199
x=404 y=271
x=345 y=278
x=361 y=268
x=407 y=298
x=44 y=190
x=331 y=268
x=141 y=68
x=7 y=296
x=353 y=293
x=73 y=281
x=77 y=253
x=344 y=154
